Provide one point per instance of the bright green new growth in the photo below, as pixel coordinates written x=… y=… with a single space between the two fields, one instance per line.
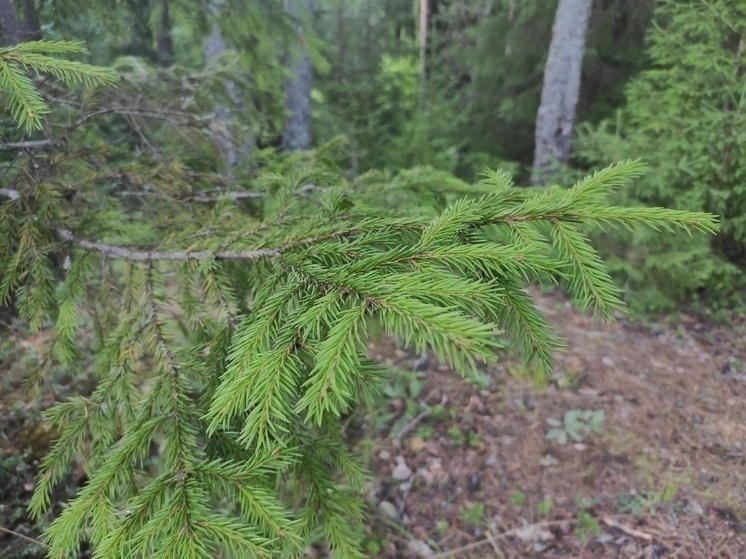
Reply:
x=234 y=336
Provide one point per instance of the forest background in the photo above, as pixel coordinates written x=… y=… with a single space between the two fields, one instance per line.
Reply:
x=207 y=123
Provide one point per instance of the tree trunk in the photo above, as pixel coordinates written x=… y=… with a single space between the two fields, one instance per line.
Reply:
x=559 y=96
x=424 y=20
x=297 y=130
x=13 y=30
x=234 y=153
x=165 y=41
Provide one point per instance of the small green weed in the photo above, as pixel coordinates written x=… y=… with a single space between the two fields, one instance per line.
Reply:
x=577 y=425
x=638 y=504
x=473 y=515
x=405 y=386
x=457 y=435
x=518 y=498
x=474 y=440
x=587 y=525
x=438 y=412
x=480 y=379
x=545 y=507
x=425 y=432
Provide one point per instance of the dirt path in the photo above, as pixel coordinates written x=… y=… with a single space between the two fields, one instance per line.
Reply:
x=665 y=476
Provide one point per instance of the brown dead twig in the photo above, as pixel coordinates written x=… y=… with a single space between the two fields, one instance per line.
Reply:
x=627 y=529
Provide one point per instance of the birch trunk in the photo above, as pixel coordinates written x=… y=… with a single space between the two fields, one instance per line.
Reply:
x=555 y=120
x=424 y=19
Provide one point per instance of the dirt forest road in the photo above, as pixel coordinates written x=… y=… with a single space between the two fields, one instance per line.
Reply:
x=664 y=475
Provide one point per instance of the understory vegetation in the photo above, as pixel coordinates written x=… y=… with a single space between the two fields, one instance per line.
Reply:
x=219 y=291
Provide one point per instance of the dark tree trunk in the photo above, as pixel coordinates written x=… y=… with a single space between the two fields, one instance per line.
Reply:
x=165 y=41
x=297 y=130
x=14 y=30
x=555 y=120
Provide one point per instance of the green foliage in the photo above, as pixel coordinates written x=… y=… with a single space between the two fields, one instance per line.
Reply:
x=233 y=310
x=26 y=105
x=586 y=525
x=474 y=514
x=545 y=507
x=686 y=114
x=477 y=105
x=17 y=474
x=518 y=498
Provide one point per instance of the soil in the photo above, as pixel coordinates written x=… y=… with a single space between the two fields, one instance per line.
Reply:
x=661 y=474
x=665 y=476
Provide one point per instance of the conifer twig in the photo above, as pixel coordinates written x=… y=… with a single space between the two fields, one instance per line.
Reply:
x=198 y=196
x=224 y=195
x=28 y=144
x=152 y=313
x=220 y=194
x=176 y=255
x=159 y=114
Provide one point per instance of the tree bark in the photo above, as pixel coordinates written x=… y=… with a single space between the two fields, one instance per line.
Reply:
x=165 y=40
x=297 y=129
x=14 y=30
x=424 y=21
x=555 y=120
x=234 y=153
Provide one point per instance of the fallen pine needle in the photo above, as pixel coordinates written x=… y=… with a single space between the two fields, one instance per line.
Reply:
x=498 y=551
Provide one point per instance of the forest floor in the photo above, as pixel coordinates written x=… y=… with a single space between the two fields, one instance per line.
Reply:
x=653 y=465
x=660 y=473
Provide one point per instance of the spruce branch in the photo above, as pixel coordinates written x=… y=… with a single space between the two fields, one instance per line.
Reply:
x=26 y=104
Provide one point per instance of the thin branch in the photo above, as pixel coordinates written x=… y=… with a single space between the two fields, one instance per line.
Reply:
x=411 y=425
x=27 y=538
x=502 y=535
x=29 y=144
x=145 y=140
x=197 y=196
x=225 y=195
x=152 y=256
x=627 y=529
x=159 y=114
x=152 y=313
x=495 y=547
x=219 y=194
